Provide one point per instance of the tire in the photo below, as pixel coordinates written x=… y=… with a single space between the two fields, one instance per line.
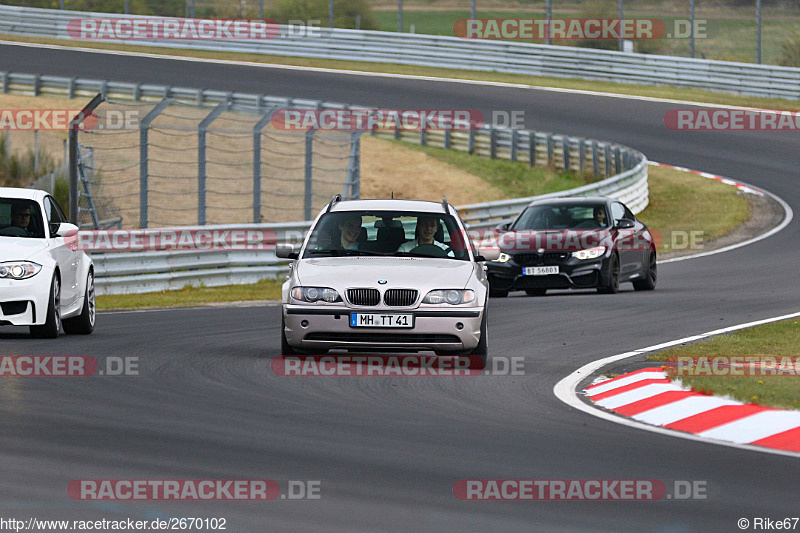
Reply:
x=286 y=349
x=648 y=282
x=83 y=324
x=52 y=326
x=536 y=292
x=480 y=354
x=610 y=285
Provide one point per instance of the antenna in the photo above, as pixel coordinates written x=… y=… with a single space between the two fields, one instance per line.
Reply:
x=444 y=203
x=336 y=198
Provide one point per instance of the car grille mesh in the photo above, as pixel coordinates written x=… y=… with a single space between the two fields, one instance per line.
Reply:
x=400 y=297
x=364 y=296
x=546 y=258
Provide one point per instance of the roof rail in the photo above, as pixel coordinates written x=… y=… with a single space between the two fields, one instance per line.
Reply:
x=336 y=198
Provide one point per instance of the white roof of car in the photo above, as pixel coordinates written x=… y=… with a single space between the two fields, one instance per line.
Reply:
x=388 y=205
x=28 y=194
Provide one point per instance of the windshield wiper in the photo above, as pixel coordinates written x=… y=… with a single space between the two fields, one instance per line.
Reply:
x=339 y=253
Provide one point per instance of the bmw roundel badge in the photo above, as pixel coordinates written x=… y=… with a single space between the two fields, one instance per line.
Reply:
x=382 y=281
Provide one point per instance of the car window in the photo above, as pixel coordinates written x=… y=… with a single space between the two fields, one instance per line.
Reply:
x=21 y=218
x=55 y=215
x=617 y=211
x=560 y=216
x=391 y=233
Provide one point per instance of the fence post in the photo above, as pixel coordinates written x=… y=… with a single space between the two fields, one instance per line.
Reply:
x=550 y=160
x=447 y=133
x=492 y=143
x=607 y=154
x=352 y=186
x=617 y=160
x=201 y=159
x=73 y=155
x=471 y=141
x=144 y=150
x=582 y=154
x=595 y=160
x=531 y=149
x=308 y=194
x=565 y=152
x=260 y=125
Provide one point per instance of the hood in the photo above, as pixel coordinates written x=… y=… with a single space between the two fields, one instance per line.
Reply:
x=399 y=272
x=20 y=248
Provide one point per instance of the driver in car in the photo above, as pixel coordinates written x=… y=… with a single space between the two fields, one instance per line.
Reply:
x=425 y=232
x=21 y=218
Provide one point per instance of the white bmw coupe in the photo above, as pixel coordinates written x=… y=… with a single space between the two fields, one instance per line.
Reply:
x=45 y=280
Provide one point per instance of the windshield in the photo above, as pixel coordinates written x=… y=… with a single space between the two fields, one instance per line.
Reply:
x=20 y=218
x=578 y=216
x=387 y=233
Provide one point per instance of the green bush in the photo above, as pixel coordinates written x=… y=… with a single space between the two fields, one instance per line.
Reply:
x=17 y=171
x=790 y=51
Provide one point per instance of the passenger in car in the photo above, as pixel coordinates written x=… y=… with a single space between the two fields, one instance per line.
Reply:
x=21 y=217
x=350 y=228
x=426 y=231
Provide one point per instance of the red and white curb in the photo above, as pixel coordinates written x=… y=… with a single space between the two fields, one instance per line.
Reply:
x=749 y=189
x=649 y=396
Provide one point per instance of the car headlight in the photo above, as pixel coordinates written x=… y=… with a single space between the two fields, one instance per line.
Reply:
x=316 y=294
x=449 y=296
x=589 y=253
x=504 y=258
x=19 y=269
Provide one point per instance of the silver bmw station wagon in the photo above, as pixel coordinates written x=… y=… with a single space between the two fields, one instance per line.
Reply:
x=386 y=275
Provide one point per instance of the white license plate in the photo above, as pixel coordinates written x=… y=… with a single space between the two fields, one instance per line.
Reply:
x=377 y=320
x=539 y=271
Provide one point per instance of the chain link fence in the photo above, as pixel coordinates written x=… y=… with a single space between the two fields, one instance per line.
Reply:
x=174 y=164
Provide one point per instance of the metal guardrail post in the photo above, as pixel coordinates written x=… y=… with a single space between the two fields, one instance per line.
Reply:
x=447 y=134
x=582 y=154
x=73 y=155
x=531 y=149
x=607 y=157
x=257 y=129
x=201 y=158
x=617 y=160
x=550 y=150
x=144 y=150
x=37 y=89
x=471 y=141
x=493 y=143
x=595 y=159
x=423 y=135
x=308 y=195
x=6 y=75
x=514 y=135
x=565 y=152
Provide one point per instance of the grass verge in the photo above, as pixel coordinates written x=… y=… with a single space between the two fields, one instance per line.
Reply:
x=268 y=289
x=776 y=340
x=682 y=203
x=667 y=92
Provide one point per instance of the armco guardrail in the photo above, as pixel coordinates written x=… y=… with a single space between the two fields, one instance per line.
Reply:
x=454 y=52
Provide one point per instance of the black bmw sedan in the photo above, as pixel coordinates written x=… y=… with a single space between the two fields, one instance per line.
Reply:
x=573 y=243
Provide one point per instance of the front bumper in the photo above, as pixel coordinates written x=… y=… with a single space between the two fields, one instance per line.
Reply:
x=434 y=329
x=573 y=274
x=24 y=302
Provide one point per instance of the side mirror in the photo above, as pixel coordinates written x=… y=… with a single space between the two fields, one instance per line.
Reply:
x=488 y=254
x=624 y=223
x=285 y=251
x=503 y=227
x=64 y=229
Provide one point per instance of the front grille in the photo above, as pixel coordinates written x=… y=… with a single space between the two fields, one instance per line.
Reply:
x=546 y=258
x=400 y=297
x=364 y=296
x=14 y=308
x=394 y=338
